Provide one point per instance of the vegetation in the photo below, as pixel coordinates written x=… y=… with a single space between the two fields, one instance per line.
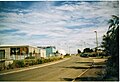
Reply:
x=31 y=57
x=84 y=55
x=79 y=51
x=67 y=55
x=29 y=61
x=111 y=45
x=87 y=50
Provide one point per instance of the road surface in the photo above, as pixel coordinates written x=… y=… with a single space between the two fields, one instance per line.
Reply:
x=63 y=71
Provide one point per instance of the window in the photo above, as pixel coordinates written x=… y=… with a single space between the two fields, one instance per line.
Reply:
x=15 y=51
x=2 y=54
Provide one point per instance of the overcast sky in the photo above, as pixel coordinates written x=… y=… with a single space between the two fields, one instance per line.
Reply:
x=67 y=25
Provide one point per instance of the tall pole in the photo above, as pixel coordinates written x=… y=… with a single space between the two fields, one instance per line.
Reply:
x=96 y=42
x=96 y=39
x=84 y=44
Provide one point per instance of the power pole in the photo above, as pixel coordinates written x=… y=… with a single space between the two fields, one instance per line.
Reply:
x=96 y=42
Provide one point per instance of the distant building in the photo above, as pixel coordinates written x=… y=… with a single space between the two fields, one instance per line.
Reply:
x=42 y=52
x=50 y=50
x=62 y=52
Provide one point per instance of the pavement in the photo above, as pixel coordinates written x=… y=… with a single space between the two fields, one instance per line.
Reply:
x=64 y=70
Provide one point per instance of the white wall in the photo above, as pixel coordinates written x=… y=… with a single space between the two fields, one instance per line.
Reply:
x=7 y=62
x=37 y=51
x=43 y=53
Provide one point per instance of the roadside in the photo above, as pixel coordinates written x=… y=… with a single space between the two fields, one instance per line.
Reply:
x=94 y=73
x=4 y=72
x=63 y=71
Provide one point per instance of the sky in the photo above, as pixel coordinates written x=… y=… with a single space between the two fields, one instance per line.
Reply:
x=68 y=25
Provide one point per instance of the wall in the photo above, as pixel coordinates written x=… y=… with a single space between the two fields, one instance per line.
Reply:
x=50 y=51
x=34 y=51
x=7 y=60
x=43 y=53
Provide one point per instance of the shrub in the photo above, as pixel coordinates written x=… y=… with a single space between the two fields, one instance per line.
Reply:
x=67 y=55
x=10 y=66
x=33 y=62
x=31 y=57
x=30 y=62
x=39 y=61
x=112 y=69
x=45 y=60
x=19 y=63
x=1 y=68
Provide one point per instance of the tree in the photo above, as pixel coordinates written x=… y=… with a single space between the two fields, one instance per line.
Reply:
x=79 y=51
x=111 y=46
x=87 y=50
x=57 y=52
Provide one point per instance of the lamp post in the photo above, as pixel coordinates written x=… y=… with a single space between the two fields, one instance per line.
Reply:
x=96 y=41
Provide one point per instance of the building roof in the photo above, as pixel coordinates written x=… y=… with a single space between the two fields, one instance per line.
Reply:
x=10 y=46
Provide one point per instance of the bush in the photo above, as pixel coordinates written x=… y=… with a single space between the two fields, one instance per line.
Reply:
x=10 y=66
x=112 y=69
x=92 y=55
x=30 y=62
x=31 y=57
x=1 y=68
x=67 y=55
x=19 y=63
x=39 y=61
x=33 y=62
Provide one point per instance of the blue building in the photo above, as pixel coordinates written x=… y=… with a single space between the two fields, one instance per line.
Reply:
x=50 y=50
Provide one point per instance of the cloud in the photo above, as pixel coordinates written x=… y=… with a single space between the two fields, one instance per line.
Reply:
x=63 y=24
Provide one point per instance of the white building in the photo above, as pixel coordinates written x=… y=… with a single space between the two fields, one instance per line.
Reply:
x=62 y=52
x=8 y=53
x=42 y=53
x=18 y=52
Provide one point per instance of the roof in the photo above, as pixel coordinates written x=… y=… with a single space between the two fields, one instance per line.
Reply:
x=10 y=46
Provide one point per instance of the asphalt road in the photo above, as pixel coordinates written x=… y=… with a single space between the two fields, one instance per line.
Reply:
x=63 y=71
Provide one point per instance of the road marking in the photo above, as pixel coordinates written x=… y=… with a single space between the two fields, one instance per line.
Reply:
x=42 y=65
x=81 y=74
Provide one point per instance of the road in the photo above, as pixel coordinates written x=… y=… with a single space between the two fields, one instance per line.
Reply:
x=63 y=71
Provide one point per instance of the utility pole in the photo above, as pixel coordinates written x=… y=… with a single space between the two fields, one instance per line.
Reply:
x=96 y=41
x=84 y=44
